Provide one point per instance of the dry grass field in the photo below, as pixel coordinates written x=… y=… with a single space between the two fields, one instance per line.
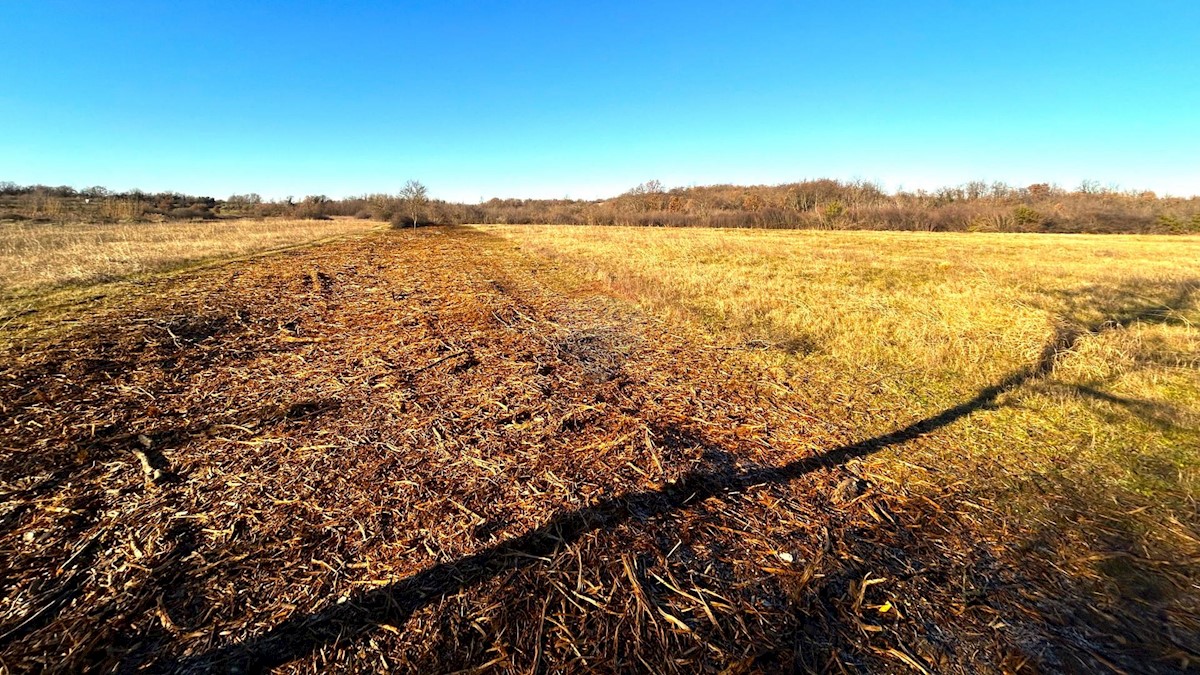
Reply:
x=35 y=256
x=876 y=328
x=548 y=449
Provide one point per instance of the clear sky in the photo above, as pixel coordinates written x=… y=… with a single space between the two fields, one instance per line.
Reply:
x=553 y=99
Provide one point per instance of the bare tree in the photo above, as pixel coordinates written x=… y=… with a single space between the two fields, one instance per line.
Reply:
x=414 y=197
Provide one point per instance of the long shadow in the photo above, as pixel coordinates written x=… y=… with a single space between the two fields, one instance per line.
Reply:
x=1155 y=413
x=393 y=604
x=1072 y=329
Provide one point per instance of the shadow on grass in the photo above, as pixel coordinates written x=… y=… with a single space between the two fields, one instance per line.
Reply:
x=1127 y=305
x=393 y=604
x=145 y=646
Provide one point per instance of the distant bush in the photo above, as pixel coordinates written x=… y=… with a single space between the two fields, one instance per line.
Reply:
x=1024 y=215
x=190 y=213
x=1173 y=224
x=401 y=221
x=833 y=209
x=362 y=214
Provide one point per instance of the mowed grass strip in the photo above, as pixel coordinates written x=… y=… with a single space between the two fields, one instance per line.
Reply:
x=877 y=329
x=452 y=431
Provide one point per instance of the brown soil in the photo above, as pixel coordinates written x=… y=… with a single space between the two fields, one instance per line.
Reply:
x=419 y=451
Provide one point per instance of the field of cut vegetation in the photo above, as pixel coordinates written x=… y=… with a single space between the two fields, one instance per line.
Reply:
x=566 y=449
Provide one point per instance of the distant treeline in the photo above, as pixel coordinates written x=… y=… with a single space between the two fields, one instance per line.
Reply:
x=822 y=204
x=99 y=204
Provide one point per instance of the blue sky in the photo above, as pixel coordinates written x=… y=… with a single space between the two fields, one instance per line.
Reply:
x=553 y=99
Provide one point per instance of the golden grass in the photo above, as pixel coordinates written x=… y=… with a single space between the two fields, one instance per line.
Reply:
x=409 y=448
x=36 y=257
x=877 y=329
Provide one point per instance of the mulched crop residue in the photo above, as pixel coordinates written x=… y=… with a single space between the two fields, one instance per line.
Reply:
x=407 y=452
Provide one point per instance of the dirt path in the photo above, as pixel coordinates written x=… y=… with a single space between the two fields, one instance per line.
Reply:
x=420 y=451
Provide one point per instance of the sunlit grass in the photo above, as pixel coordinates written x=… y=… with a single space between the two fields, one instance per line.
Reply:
x=876 y=330
x=36 y=257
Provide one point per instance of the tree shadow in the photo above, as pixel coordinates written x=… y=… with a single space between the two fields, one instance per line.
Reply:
x=1094 y=309
x=718 y=478
x=1120 y=307
x=1158 y=414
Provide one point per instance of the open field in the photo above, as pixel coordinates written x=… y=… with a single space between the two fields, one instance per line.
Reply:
x=38 y=256
x=873 y=328
x=540 y=449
